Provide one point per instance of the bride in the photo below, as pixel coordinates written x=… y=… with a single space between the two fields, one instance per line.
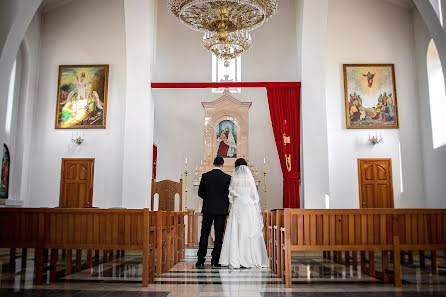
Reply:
x=243 y=244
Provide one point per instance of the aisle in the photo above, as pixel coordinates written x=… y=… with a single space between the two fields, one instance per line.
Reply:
x=312 y=276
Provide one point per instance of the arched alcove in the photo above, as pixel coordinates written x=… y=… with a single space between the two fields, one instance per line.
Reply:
x=437 y=96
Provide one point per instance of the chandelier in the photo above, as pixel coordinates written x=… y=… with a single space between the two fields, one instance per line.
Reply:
x=225 y=23
x=205 y=15
x=232 y=46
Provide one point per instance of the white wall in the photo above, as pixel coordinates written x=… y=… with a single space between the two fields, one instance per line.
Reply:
x=99 y=38
x=434 y=159
x=389 y=40
x=296 y=45
x=179 y=116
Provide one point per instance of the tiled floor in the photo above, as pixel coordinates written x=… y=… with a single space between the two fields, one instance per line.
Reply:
x=312 y=276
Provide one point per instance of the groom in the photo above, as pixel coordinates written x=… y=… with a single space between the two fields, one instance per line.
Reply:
x=214 y=190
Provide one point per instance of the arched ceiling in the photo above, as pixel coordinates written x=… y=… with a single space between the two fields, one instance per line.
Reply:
x=49 y=5
x=403 y=3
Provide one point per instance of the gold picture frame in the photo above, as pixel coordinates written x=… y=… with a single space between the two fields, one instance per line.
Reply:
x=82 y=97
x=370 y=96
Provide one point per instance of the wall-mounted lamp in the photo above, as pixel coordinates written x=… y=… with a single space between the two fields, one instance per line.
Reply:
x=374 y=139
x=78 y=140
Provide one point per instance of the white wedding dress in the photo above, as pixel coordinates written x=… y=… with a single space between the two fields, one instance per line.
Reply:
x=243 y=243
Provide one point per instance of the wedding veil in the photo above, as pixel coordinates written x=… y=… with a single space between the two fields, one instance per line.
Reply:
x=242 y=183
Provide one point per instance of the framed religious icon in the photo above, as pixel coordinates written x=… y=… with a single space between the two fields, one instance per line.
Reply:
x=370 y=96
x=82 y=97
x=4 y=176
x=227 y=139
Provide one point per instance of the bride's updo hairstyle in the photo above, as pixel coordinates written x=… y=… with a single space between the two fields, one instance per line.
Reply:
x=240 y=162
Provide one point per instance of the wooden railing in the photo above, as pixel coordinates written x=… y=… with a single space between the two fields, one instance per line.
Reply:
x=95 y=229
x=385 y=230
x=194 y=220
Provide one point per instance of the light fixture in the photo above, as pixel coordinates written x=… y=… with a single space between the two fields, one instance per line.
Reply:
x=234 y=44
x=374 y=140
x=77 y=140
x=206 y=15
x=225 y=23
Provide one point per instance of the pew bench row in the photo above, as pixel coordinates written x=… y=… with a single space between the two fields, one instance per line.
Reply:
x=389 y=231
x=160 y=235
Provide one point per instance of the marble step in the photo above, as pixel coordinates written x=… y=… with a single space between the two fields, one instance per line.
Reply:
x=192 y=252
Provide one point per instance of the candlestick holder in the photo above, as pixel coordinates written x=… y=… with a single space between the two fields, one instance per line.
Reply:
x=185 y=189
x=374 y=140
x=77 y=140
x=264 y=179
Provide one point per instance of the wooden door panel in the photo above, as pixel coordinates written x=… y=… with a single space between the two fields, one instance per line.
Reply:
x=76 y=183
x=70 y=194
x=83 y=195
x=71 y=171
x=368 y=173
x=381 y=196
x=375 y=183
x=369 y=193
x=381 y=173
x=84 y=172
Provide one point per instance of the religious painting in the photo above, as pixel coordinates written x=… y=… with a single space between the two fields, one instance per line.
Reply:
x=82 y=97
x=4 y=178
x=227 y=139
x=370 y=96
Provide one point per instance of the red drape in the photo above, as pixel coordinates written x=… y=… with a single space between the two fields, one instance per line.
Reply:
x=155 y=159
x=284 y=108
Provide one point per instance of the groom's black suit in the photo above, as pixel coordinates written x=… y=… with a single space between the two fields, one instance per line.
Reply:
x=214 y=190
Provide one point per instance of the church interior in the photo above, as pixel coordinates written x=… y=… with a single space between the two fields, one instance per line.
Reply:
x=112 y=110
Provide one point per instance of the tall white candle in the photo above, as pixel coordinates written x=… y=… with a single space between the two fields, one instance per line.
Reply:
x=186 y=160
x=264 y=160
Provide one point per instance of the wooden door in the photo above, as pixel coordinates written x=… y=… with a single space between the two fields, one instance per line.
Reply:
x=76 y=183
x=375 y=183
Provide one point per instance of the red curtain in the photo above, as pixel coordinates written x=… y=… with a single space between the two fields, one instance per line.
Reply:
x=155 y=159
x=284 y=108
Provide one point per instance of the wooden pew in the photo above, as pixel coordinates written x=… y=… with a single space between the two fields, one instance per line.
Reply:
x=271 y=247
x=20 y=229
x=88 y=229
x=161 y=242
x=385 y=230
x=277 y=234
x=181 y=235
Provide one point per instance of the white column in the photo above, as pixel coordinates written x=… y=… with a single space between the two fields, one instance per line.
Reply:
x=443 y=12
x=314 y=120
x=16 y=16
x=140 y=25
x=438 y=34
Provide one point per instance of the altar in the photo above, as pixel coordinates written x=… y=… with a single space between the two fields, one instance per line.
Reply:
x=226 y=134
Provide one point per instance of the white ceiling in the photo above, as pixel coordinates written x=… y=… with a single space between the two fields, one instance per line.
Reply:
x=49 y=5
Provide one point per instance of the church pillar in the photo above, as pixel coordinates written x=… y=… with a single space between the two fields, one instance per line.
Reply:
x=140 y=27
x=315 y=179
x=432 y=21
x=16 y=16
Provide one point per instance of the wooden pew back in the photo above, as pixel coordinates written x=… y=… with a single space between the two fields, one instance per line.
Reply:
x=109 y=229
x=21 y=227
x=354 y=230
x=94 y=229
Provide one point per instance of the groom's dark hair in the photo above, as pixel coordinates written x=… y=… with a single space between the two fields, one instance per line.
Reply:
x=240 y=162
x=219 y=161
